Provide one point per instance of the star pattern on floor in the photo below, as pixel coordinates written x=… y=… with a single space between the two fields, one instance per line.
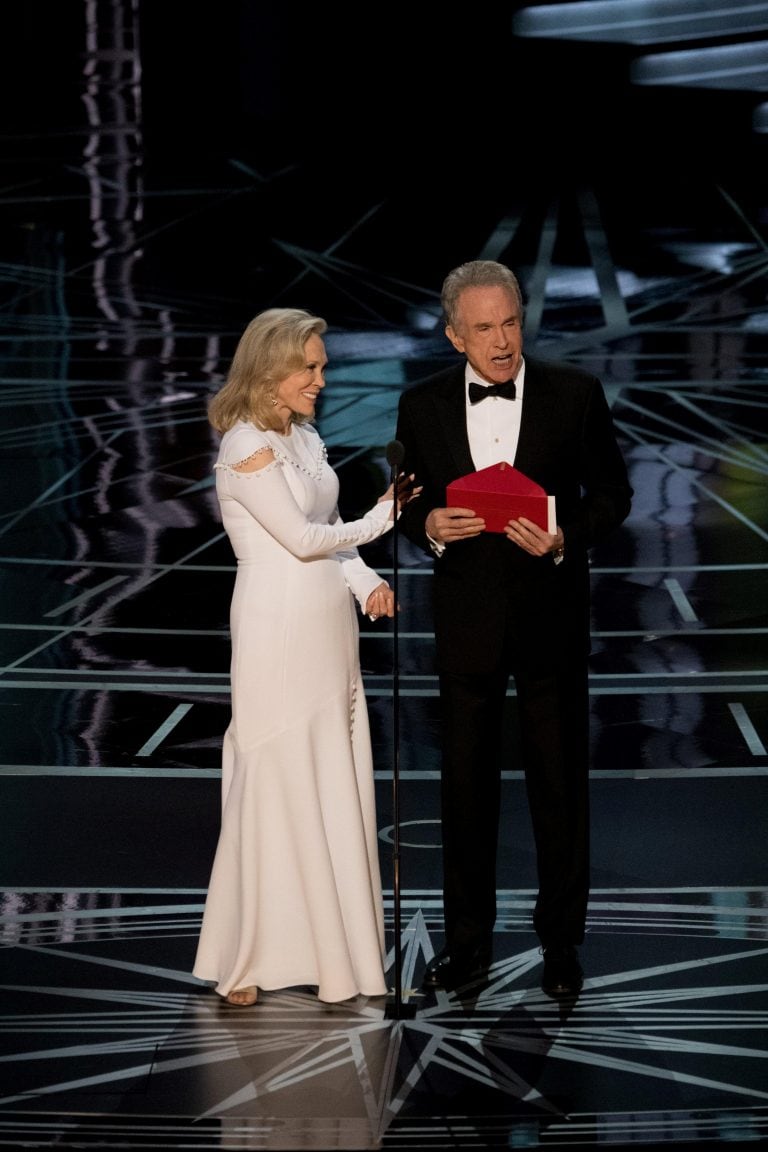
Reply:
x=494 y=1043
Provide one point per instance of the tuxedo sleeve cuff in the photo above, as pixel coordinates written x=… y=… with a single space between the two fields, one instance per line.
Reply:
x=438 y=549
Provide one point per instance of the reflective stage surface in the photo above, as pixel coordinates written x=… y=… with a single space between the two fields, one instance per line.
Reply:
x=177 y=172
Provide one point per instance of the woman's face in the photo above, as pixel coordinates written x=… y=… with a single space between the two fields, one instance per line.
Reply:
x=298 y=392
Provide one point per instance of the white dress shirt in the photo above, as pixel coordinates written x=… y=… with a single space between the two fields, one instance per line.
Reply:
x=493 y=425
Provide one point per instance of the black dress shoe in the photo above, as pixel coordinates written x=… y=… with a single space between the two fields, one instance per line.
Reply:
x=449 y=972
x=437 y=968
x=562 y=975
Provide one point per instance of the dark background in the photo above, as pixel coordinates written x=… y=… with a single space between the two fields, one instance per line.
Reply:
x=308 y=116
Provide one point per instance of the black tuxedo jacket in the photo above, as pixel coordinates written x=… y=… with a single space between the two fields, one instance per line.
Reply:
x=490 y=596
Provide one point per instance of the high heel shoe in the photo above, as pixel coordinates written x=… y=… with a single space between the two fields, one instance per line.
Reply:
x=242 y=997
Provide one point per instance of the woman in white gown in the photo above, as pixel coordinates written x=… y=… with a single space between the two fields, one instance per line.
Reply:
x=295 y=891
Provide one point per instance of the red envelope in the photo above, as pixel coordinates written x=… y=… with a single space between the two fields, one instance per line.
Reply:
x=501 y=493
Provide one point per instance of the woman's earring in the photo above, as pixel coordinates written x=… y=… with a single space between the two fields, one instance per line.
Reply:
x=274 y=401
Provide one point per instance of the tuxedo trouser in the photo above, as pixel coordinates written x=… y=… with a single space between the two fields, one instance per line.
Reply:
x=553 y=711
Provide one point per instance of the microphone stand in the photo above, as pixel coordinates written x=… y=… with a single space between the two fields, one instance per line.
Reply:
x=396 y=1009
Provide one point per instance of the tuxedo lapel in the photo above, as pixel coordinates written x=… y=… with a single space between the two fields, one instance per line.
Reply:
x=535 y=419
x=451 y=406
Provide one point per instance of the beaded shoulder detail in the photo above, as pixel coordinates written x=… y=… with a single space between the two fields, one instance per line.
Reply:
x=312 y=461
x=309 y=458
x=239 y=463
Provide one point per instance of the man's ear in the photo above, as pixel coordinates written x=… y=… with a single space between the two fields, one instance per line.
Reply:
x=455 y=339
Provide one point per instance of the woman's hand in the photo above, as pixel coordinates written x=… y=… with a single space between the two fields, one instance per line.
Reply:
x=406 y=491
x=381 y=602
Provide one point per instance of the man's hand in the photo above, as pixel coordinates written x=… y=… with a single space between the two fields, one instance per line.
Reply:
x=444 y=525
x=533 y=539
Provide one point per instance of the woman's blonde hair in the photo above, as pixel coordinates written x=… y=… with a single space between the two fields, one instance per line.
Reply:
x=270 y=348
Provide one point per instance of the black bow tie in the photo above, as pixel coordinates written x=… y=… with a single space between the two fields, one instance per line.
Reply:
x=478 y=392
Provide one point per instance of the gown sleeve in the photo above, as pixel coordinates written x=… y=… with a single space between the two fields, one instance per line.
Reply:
x=359 y=577
x=265 y=494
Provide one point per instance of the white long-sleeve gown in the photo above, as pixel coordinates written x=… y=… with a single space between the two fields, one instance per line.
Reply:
x=295 y=892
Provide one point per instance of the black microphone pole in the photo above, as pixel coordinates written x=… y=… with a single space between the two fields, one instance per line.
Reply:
x=396 y=1010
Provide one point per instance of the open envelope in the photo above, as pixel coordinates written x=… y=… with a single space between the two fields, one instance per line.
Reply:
x=501 y=493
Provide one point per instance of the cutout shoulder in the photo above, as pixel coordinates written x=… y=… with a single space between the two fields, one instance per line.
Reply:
x=257 y=460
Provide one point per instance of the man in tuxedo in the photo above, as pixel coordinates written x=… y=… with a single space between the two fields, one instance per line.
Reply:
x=512 y=603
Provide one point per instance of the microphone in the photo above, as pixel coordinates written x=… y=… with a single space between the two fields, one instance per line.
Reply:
x=396 y=1009
x=395 y=455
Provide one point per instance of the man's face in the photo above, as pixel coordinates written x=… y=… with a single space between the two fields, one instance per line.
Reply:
x=489 y=333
